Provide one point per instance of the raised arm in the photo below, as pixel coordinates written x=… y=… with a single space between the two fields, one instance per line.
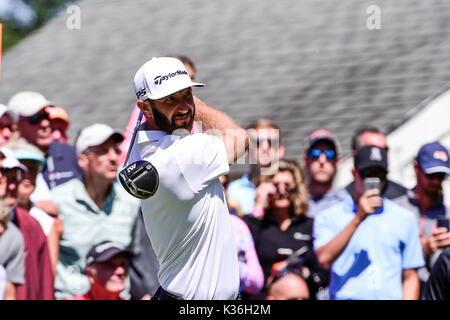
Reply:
x=329 y=252
x=218 y=123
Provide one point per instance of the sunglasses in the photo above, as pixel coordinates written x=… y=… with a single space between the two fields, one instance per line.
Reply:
x=287 y=187
x=12 y=175
x=438 y=175
x=38 y=117
x=259 y=141
x=100 y=151
x=316 y=153
x=6 y=124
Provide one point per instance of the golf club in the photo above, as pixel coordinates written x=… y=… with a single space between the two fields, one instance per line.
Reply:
x=140 y=179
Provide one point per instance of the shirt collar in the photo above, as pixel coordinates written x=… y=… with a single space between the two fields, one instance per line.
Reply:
x=81 y=195
x=437 y=208
x=144 y=136
x=157 y=135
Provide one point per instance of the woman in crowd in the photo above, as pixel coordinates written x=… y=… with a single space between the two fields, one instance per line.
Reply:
x=280 y=227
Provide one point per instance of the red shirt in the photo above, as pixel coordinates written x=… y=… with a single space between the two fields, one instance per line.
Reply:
x=87 y=296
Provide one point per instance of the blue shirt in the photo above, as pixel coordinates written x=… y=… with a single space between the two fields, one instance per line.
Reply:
x=383 y=245
x=244 y=191
x=61 y=164
x=329 y=199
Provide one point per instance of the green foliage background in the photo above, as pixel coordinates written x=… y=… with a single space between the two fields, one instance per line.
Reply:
x=13 y=32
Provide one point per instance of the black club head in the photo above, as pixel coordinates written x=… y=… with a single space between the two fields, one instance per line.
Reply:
x=140 y=179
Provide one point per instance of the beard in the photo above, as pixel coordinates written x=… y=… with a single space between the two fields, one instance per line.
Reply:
x=169 y=126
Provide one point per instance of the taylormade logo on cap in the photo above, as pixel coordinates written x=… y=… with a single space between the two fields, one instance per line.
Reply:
x=161 y=77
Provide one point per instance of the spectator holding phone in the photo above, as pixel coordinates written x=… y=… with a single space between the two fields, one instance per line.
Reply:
x=367 y=135
x=284 y=226
x=370 y=244
x=426 y=200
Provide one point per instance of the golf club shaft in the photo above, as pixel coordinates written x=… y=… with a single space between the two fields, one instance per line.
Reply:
x=130 y=147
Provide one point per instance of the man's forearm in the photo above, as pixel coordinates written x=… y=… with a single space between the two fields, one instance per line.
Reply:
x=411 y=285
x=10 y=291
x=221 y=125
x=328 y=253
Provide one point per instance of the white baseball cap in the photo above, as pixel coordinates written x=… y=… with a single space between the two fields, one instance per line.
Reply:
x=28 y=103
x=11 y=163
x=95 y=135
x=4 y=109
x=6 y=153
x=161 y=77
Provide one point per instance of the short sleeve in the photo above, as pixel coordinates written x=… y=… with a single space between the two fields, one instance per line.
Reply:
x=41 y=192
x=201 y=158
x=323 y=231
x=412 y=249
x=15 y=265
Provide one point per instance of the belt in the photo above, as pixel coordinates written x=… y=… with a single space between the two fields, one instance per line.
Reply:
x=162 y=294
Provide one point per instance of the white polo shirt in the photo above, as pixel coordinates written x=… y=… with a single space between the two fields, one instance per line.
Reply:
x=187 y=219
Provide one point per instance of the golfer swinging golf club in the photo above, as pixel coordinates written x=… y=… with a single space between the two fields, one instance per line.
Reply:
x=187 y=218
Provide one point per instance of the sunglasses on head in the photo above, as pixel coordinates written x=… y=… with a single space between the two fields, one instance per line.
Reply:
x=316 y=153
x=38 y=117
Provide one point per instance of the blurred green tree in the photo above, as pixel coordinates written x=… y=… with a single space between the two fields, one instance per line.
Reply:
x=44 y=10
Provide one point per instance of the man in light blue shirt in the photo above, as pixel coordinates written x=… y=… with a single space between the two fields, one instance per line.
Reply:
x=370 y=244
x=92 y=210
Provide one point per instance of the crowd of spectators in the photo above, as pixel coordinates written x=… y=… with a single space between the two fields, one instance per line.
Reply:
x=68 y=230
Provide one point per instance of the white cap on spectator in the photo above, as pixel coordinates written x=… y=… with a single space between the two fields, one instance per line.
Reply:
x=11 y=163
x=161 y=77
x=6 y=153
x=95 y=135
x=28 y=103
x=4 y=109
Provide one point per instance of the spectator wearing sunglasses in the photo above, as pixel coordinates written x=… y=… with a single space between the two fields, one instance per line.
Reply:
x=38 y=270
x=284 y=225
x=8 y=123
x=264 y=151
x=59 y=121
x=92 y=209
x=32 y=158
x=370 y=244
x=426 y=201
x=12 y=253
x=321 y=161
x=35 y=126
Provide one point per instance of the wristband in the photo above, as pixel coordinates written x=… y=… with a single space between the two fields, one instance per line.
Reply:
x=258 y=212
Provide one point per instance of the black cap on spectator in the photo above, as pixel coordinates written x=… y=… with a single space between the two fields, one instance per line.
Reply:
x=371 y=156
x=104 y=251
